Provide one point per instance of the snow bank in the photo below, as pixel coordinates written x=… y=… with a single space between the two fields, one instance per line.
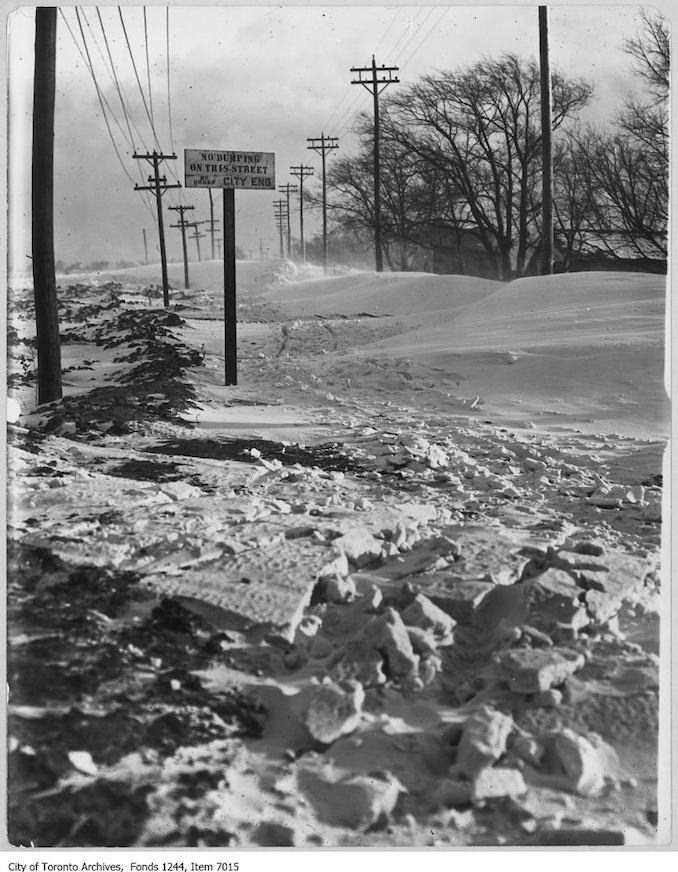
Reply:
x=584 y=345
x=378 y=294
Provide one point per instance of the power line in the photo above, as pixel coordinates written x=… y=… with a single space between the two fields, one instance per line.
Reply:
x=136 y=73
x=341 y=122
x=102 y=99
x=433 y=27
x=141 y=91
x=169 y=101
x=100 y=96
x=409 y=32
x=115 y=76
x=148 y=69
x=388 y=29
x=127 y=111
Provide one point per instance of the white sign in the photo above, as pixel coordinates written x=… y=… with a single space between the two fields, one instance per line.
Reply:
x=242 y=170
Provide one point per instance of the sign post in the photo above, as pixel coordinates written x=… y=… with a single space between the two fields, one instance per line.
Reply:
x=230 y=338
x=230 y=171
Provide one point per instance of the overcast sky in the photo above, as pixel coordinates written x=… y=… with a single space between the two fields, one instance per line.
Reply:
x=259 y=78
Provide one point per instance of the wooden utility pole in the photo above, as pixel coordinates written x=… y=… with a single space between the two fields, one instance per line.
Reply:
x=212 y=221
x=158 y=184
x=375 y=86
x=280 y=214
x=302 y=172
x=182 y=224
x=230 y=313
x=196 y=235
x=143 y=230
x=42 y=203
x=546 y=147
x=323 y=145
x=219 y=242
x=287 y=190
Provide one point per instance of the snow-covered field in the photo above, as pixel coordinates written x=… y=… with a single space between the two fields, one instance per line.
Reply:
x=400 y=586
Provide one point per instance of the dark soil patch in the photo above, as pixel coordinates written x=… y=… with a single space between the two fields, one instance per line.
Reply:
x=26 y=440
x=119 y=407
x=328 y=457
x=150 y=470
x=84 y=676
x=147 y=470
x=154 y=389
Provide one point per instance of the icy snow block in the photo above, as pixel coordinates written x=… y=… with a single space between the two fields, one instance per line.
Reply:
x=422 y=613
x=552 y=600
x=534 y=670
x=388 y=635
x=359 y=546
x=483 y=740
x=496 y=783
x=268 y=586
x=458 y=598
x=334 y=710
x=576 y=759
x=625 y=577
x=487 y=555
x=356 y=801
x=361 y=662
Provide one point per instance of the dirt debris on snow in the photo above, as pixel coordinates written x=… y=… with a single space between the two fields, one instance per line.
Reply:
x=345 y=604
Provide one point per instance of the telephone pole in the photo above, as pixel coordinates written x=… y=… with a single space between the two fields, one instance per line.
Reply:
x=182 y=224
x=302 y=172
x=219 y=242
x=42 y=204
x=546 y=148
x=322 y=146
x=279 y=212
x=212 y=221
x=158 y=184
x=197 y=236
x=143 y=230
x=378 y=82
x=287 y=190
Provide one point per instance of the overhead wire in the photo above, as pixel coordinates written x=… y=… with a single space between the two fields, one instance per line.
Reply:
x=136 y=73
x=148 y=68
x=103 y=102
x=127 y=110
x=433 y=27
x=169 y=101
x=115 y=76
x=141 y=91
x=408 y=35
x=331 y=118
x=169 y=97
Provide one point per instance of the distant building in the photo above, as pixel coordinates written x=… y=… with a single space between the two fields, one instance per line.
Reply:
x=456 y=252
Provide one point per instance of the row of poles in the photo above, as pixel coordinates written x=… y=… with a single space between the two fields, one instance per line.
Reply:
x=323 y=145
x=375 y=79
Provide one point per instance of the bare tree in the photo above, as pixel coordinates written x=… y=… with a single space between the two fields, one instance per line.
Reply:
x=651 y=52
x=648 y=121
x=481 y=128
x=572 y=193
x=612 y=186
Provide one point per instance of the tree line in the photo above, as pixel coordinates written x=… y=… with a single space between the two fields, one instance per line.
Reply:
x=461 y=154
